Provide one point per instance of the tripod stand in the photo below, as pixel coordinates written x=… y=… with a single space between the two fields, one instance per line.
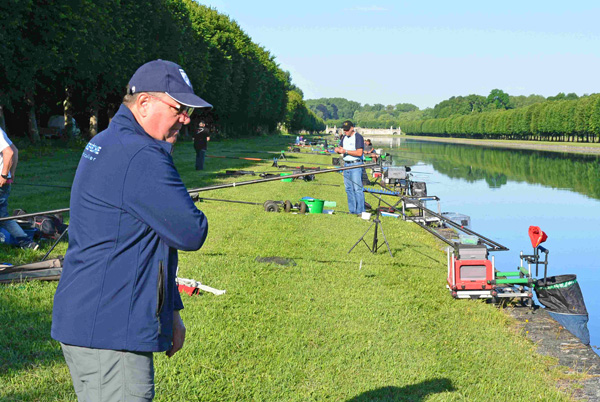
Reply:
x=378 y=224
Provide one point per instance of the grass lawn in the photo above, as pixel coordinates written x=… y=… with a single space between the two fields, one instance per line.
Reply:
x=335 y=326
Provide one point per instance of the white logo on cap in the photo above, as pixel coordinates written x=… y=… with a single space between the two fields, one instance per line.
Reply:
x=185 y=77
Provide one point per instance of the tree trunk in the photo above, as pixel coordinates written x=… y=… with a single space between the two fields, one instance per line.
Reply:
x=68 y=113
x=33 y=132
x=94 y=121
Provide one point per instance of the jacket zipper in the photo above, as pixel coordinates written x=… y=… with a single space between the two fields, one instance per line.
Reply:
x=160 y=292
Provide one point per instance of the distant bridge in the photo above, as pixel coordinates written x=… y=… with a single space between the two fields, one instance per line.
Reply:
x=367 y=131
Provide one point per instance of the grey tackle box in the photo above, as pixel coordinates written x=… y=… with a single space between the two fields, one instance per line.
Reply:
x=472 y=252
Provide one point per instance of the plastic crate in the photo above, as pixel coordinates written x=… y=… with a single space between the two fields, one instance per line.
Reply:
x=459 y=219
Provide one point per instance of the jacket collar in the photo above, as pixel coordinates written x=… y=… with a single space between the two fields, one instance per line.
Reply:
x=126 y=118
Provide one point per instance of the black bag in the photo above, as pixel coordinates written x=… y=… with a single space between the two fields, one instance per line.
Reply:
x=365 y=178
x=25 y=223
x=49 y=226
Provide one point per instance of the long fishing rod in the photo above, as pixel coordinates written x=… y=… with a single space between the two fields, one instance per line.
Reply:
x=291 y=176
x=40 y=185
x=201 y=189
x=236 y=157
x=313 y=153
x=251 y=152
x=234 y=201
x=275 y=160
x=496 y=246
x=54 y=211
x=311 y=163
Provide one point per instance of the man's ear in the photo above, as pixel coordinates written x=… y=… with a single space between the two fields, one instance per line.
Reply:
x=142 y=103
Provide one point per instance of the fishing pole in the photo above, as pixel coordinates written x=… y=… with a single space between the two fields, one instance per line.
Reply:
x=496 y=246
x=41 y=185
x=312 y=163
x=235 y=201
x=201 y=189
x=326 y=153
x=236 y=157
x=292 y=176
x=55 y=211
x=301 y=167
x=251 y=152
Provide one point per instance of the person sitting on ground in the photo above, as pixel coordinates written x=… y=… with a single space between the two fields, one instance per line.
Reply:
x=8 y=165
x=369 y=151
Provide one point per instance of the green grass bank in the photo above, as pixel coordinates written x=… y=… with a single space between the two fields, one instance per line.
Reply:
x=335 y=326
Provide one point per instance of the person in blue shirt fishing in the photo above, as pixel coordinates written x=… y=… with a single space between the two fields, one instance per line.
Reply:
x=117 y=301
x=351 y=148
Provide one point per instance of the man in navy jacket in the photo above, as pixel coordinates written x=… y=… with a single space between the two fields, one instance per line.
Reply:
x=117 y=300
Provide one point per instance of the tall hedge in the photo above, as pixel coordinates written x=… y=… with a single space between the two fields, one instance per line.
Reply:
x=76 y=58
x=562 y=120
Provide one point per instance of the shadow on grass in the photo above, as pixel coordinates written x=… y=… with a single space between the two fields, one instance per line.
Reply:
x=415 y=392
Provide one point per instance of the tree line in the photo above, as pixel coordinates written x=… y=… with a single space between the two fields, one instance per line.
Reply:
x=564 y=117
x=555 y=120
x=75 y=58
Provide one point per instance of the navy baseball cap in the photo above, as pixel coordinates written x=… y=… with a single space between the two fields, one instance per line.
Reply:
x=347 y=125
x=168 y=77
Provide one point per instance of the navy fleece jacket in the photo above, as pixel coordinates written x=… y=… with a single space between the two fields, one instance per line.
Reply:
x=130 y=213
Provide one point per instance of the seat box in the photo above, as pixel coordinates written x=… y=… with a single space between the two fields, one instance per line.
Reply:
x=470 y=274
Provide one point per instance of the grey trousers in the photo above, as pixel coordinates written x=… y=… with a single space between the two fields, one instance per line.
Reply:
x=101 y=375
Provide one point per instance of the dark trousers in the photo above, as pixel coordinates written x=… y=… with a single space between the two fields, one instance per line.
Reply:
x=200 y=154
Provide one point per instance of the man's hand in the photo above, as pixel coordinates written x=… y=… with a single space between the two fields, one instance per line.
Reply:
x=340 y=150
x=2 y=181
x=178 y=334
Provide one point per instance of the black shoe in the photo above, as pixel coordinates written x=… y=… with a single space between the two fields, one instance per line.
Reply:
x=31 y=246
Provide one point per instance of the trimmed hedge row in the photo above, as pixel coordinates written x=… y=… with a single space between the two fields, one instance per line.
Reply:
x=569 y=120
x=77 y=57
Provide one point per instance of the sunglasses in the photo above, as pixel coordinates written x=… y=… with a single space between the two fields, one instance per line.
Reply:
x=181 y=109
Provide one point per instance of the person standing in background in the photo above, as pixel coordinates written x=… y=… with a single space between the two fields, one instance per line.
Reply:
x=201 y=138
x=351 y=147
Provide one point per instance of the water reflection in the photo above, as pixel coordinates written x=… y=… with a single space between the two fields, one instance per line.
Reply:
x=504 y=191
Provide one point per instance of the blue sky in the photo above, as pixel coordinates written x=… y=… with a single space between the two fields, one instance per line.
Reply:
x=424 y=52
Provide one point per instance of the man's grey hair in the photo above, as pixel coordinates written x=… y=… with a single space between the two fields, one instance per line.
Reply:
x=129 y=98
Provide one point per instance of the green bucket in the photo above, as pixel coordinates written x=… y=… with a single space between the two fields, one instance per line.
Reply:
x=287 y=174
x=368 y=158
x=315 y=206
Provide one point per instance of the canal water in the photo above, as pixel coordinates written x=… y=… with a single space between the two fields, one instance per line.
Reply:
x=504 y=191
